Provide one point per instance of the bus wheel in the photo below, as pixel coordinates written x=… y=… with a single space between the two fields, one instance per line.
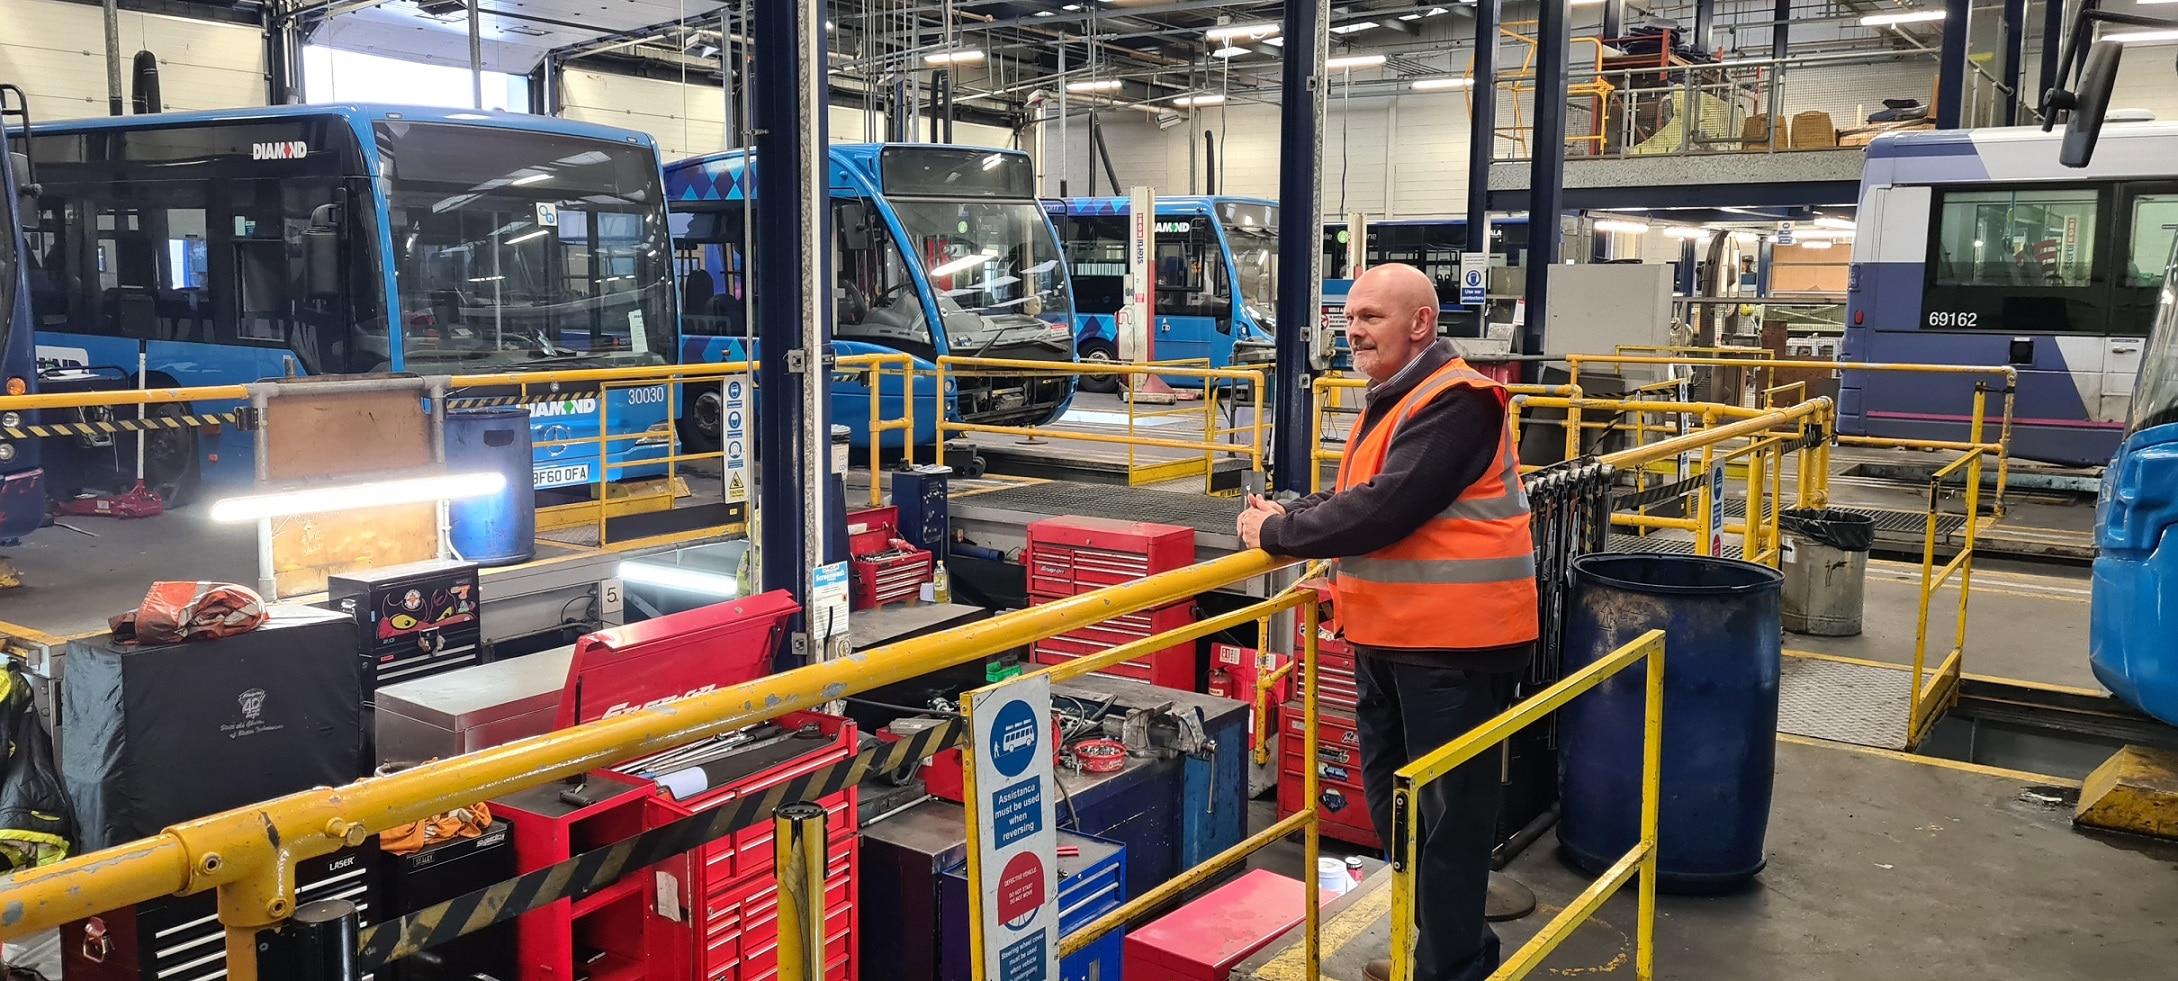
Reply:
x=1099 y=352
x=172 y=464
x=701 y=424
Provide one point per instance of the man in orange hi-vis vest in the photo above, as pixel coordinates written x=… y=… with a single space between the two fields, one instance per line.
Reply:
x=1435 y=590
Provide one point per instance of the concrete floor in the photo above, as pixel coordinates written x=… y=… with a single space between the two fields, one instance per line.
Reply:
x=1879 y=867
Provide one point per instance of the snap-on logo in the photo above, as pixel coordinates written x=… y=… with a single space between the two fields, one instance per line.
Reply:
x=288 y=150
x=623 y=708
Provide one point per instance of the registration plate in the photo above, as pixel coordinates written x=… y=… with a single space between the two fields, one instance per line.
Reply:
x=556 y=476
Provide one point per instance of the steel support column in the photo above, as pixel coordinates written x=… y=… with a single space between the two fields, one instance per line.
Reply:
x=1546 y=172
x=1482 y=121
x=1689 y=262
x=2015 y=56
x=1300 y=237
x=1614 y=19
x=1780 y=34
x=1765 y=257
x=1705 y=19
x=2053 y=35
x=1951 y=67
x=794 y=318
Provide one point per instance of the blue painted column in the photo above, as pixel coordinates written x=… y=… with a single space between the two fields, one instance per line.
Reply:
x=1300 y=239
x=1482 y=134
x=1546 y=172
x=794 y=314
x=2015 y=56
x=1765 y=255
x=1951 y=66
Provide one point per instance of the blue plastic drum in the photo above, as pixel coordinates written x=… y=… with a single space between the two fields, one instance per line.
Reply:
x=501 y=528
x=1723 y=639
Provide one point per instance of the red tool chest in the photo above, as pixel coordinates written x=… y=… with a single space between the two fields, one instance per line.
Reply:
x=887 y=568
x=1205 y=939
x=1070 y=555
x=727 y=928
x=1340 y=804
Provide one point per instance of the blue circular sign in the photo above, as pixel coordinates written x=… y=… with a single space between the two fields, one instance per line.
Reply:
x=733 y=420
x=733 y=389
x=1014 y=738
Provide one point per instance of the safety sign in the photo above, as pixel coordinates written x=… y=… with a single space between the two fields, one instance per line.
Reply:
x=1474 y=278
x=1016 y=872
x=734 y=434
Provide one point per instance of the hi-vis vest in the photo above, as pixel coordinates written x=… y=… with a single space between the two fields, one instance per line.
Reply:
x=1466 y=578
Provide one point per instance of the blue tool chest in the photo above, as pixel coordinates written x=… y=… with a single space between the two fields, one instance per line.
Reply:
x=1091 y=884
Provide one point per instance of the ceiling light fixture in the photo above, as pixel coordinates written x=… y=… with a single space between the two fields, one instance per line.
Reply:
x=1209 y=99
x=1105 y=85
x=2142 y=37
x=1902 y=17
x=1228 y=51
x=1440 y=84
x=965 y=56
x=1355 y=61
x=1627 y=227
x=1815 y=243
x=1351 y=28
x=1223 y=31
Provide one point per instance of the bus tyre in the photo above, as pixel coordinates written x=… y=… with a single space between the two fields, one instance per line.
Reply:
x=701 y=424
x=1100 y=352
x=173 y=465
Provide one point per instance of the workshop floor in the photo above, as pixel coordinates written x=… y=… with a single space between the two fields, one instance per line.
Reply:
x=1879 y=867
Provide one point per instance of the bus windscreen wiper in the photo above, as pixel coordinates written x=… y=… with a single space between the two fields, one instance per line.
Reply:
x=1000 y=334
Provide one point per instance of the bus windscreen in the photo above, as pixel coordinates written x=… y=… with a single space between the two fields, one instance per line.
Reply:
x=514 y=247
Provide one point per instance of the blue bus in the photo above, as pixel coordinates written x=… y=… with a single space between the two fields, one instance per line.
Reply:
x=1978 y=248
x=22 y=483
x=1216 y=264
x=2134 y=603
x=924 y=235
x=236 y=245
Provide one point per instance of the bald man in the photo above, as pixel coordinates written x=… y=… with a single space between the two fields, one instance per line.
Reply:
x=1435 y=591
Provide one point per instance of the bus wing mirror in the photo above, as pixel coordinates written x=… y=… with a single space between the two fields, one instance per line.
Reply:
x=19 y=165
x=321 y=252
x=854 y=226
x=2087 y=105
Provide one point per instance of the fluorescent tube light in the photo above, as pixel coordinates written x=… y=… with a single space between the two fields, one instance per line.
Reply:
x=1224 y=31
x=519 y=239
x=1373 y=60
x=1440 y=84
x=1617 y=225
x=1106 y=85
x=681 y=578
x=1228 y=51
x=1208 y=99
x=1902 y=17
x=965 y=56
x=316 y=500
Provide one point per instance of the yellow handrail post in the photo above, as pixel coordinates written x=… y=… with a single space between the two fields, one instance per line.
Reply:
x=877 y=442
x=1652 y=793
x=1312 y=843
x=1706 y=503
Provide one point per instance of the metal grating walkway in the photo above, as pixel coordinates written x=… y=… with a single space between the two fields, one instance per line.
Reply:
x=1214 y=515
x=1652 y=543
x=1861 y=704
x=1894 y=521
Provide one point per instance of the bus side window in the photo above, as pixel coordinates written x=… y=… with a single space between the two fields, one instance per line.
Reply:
x=2155 y=227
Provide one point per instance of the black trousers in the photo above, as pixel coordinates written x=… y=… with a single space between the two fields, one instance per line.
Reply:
x=1405 y=711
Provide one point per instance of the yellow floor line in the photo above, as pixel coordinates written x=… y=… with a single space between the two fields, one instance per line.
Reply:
x=2039 y=779
x=1842 y=659
x=1292 y=963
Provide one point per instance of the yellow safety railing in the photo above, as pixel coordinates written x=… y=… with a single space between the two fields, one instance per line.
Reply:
x=1303 y=821
x=1327 y=395
x=1934 y=693
x=249 y=855
x=1640 y=860
x=871 y=370
x=1216 y=441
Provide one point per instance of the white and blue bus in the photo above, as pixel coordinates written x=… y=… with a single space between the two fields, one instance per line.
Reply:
x=1978 y=248
x=937 y=251
x=236 y=245
x=1216 y=265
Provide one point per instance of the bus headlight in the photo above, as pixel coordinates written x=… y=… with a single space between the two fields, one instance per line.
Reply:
x=11 y=420
x=7 y=452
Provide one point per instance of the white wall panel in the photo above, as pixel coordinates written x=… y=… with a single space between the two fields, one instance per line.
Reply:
x=57 y=53
x=687 y=120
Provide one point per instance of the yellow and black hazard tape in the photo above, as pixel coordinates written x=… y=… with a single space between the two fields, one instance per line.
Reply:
x=494 y=401
x=583 y=874
x=117 y=426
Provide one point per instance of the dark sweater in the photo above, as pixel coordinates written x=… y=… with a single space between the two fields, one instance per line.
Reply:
x=1435 y=456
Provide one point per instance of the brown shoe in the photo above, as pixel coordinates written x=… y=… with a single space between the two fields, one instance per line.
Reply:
x=1377 y=970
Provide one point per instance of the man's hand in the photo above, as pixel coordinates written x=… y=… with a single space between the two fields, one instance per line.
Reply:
x=1251 y=520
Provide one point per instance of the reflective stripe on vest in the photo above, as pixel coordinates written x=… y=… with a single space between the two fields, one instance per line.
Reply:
x=1466 y=578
